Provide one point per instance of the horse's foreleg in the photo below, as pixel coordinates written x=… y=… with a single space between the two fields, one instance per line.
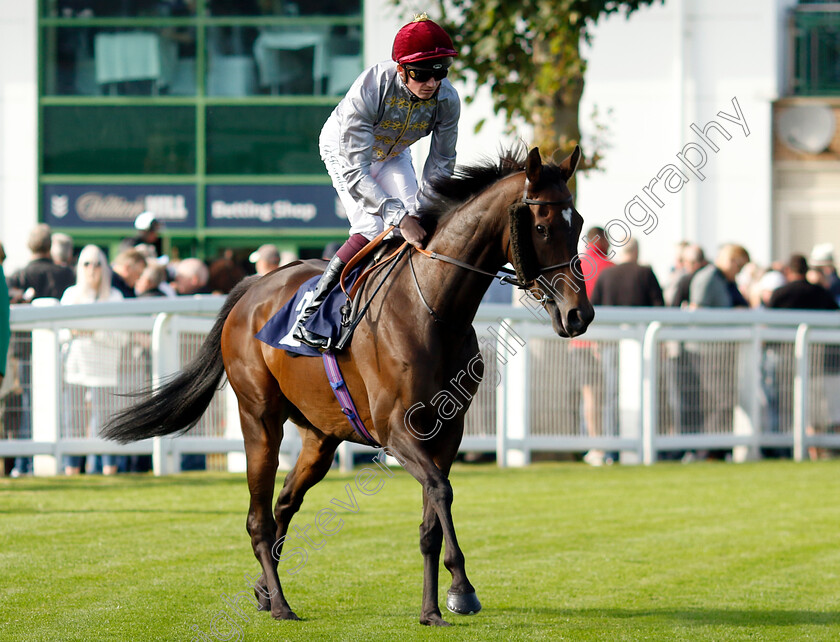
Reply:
x=437 y=493
x=262 y=444
x=431 y=538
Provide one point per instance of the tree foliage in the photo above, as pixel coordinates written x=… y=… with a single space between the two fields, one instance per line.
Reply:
x=528 y=53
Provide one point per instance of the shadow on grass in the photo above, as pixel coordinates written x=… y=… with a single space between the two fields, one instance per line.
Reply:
x=107 y=511
x=127 y=481
x=697 y=616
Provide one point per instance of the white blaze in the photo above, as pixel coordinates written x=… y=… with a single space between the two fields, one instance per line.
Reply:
x=567 y=214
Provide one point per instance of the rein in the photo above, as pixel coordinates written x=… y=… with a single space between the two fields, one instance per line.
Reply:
x=353 y=318
x=357 y=258
x=507 y=276
x=508 y=273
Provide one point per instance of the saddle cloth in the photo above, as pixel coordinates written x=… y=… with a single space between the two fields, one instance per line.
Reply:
x=326 y=322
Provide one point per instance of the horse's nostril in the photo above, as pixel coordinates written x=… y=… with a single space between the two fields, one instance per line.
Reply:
x=574 y=321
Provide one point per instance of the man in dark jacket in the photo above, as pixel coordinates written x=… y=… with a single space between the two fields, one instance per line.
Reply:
x=41 y=277
x=693 y=259
x=798 y=293
x=628 y=283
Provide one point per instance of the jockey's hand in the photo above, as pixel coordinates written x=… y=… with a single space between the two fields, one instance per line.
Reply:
x=412 y=231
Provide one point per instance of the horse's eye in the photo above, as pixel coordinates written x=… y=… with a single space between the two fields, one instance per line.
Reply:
x=541 y=229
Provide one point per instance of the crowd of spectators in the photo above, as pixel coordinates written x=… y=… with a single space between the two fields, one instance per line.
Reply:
x=700 y=381
x=100 y=367
x=733 y=280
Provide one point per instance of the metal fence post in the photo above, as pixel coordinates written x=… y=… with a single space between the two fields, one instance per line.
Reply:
x=747 y=419
x=345 y=457
x=630 y=394
x=236 y=462
x=801 y=384
x=757 y=393
x=45 y=399
x=164 y=363
x=650 y=392
x=512 y=351
x=501 y=414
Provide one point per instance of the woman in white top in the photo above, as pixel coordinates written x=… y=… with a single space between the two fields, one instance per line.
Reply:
x=92 y=358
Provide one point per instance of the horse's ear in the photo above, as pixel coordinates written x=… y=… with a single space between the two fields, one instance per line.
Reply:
x=533 y=166
x=569 y=164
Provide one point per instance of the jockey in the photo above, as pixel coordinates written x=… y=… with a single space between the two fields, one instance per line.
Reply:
x=365 y=141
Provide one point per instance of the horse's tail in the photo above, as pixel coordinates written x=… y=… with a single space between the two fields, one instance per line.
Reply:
x=179 y=403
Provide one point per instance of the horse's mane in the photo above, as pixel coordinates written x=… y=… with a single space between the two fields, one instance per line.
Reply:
x=447 y=193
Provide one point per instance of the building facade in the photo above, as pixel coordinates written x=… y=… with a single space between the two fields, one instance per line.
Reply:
x=697 y=82
x=208 y=111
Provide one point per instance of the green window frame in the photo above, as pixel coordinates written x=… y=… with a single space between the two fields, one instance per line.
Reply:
x=124 y=134
x=815 y=45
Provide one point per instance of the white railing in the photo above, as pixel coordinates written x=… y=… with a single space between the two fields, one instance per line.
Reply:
x=642 y=383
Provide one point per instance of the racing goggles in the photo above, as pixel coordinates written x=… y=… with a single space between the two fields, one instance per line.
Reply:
x=423 y=74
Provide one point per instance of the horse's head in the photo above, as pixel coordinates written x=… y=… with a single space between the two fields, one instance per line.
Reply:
x=545 y=230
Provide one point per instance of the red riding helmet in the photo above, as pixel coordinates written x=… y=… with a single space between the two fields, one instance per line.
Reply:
x=421 y=39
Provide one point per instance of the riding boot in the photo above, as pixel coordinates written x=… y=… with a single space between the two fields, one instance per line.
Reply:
x=328 y=281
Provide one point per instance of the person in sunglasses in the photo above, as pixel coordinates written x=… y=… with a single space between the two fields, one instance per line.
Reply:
x=364 y=145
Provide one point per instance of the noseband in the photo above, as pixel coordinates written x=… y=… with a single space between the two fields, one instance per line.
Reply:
x=508 y=275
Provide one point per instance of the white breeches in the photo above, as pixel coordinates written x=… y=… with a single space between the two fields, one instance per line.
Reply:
x=396 y=176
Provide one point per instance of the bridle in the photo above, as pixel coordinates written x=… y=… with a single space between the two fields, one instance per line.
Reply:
x=508 y=275
x=533 y=201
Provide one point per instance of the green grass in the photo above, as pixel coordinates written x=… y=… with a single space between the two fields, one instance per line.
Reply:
x=556 y=552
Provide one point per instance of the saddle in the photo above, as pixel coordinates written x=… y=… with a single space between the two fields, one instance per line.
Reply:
x=341 y=311
x=373 y=256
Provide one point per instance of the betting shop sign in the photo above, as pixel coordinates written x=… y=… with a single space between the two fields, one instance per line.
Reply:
x=273 y=206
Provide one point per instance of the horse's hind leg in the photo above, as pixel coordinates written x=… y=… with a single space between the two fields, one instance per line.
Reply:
x=263 y=432
x=315 y=459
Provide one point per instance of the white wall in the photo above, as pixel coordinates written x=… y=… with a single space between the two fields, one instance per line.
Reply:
x=661 y=70
x=18 y=128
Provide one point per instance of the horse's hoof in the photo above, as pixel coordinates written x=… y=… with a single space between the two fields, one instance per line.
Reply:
x=434 y=620
x=285 y=615
x=463 y=604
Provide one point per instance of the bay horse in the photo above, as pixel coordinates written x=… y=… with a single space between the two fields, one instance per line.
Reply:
x=415 y=338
